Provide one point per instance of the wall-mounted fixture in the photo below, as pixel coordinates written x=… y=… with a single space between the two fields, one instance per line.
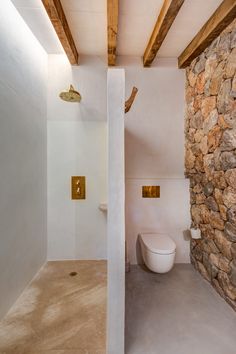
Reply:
x=78 y=187
x=70 y=95
x=103 y=206
x=151 y=191
x=195 y=233
x=130 y=100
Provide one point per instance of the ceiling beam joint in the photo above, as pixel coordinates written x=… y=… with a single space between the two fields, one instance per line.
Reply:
x=220 y=19
x=167 y=15
x=58 y=19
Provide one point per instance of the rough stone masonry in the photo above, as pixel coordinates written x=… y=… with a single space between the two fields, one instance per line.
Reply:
x=210 y=161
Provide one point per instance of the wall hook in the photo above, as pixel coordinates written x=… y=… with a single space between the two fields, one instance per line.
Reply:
x=130 y=100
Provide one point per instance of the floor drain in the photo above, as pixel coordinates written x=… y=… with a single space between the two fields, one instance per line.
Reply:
x=72 y=274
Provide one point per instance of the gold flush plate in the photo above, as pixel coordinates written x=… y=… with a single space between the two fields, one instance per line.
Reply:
x=78 y=190
x=151 y=191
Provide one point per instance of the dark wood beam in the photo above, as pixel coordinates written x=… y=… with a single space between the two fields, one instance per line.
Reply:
x=58 y=19
x=168 y=13
x=220 y=19
x=112 y=29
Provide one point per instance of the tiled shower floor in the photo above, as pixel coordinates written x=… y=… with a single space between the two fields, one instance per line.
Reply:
x=176 y=313
x=59 y=313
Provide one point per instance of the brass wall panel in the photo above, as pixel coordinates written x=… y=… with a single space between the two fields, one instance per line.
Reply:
x=78 y=187
x=151 y=191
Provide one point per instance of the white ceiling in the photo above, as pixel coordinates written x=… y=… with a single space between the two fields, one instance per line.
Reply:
x=191 y=17
x=88 y=22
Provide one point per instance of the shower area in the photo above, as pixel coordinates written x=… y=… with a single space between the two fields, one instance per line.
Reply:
x=58 y=257
x=64 y=307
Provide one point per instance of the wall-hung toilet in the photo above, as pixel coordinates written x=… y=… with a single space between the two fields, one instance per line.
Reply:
x=158 y=251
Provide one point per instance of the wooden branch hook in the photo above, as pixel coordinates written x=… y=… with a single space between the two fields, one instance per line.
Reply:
x=130 y=100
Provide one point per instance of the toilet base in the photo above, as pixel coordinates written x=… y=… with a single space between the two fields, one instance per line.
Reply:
x=158 y=263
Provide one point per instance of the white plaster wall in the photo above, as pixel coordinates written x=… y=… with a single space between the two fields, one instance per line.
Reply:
x=76 y=228
x=77 y=145
x=23 y=78
x=169 y=214
x=116 y=211
x=154 y=154
x=154 y=138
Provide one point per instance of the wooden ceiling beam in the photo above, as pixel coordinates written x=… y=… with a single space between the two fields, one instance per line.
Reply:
x=168 y=13
x=58 y=19
x=112 y=29
x=220 y=19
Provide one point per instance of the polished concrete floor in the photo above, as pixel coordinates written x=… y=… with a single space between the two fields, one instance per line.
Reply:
x=176 y=313
x=59 y=313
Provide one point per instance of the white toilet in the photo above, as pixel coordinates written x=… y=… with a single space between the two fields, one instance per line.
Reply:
x=158 y=251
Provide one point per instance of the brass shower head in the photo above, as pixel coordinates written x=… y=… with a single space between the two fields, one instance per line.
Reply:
x=71 y=95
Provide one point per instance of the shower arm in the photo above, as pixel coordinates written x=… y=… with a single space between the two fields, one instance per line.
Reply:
x=130 y=100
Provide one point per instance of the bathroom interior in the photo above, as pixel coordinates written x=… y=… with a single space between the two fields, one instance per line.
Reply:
x=118 y=177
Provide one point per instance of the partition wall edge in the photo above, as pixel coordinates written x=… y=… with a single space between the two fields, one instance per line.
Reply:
x=116 y=211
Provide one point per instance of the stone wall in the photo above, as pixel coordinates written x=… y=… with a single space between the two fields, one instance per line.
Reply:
x=210 y=161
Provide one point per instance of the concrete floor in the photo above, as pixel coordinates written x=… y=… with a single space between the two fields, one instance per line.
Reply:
x=59 y=313
x=176 y=313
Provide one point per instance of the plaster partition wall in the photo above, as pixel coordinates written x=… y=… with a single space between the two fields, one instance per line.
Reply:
x=77 y=146
x=211 y=161
x=154 y=155
x=116 y=211
x=23 y=99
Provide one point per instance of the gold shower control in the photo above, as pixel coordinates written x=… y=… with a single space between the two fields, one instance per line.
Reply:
x=151 y=191
x=77 y=187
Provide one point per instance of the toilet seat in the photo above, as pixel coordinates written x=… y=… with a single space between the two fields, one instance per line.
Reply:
x=158 y=243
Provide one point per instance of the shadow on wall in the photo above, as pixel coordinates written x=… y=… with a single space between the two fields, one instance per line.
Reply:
x=140 y=153
x=91 y=81
x=139 y=251
x=186 y=235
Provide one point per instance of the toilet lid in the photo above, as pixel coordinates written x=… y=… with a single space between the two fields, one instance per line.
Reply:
x=158 y=243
